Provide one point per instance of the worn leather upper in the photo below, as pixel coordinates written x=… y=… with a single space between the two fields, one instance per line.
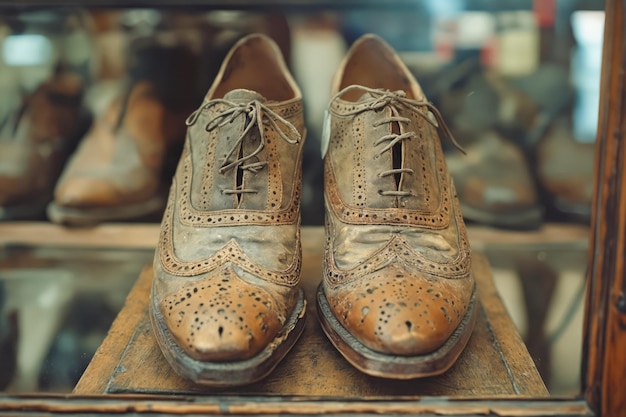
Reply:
x=397 y=264
x=229 y=256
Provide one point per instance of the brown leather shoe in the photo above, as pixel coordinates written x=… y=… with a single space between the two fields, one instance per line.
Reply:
x=118 y=171
x=225 y=303
x=565 y=172
x=398 y=298
x=494 y=183
x=36 y=142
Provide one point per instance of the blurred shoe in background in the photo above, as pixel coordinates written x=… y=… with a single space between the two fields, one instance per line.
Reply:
x=118 y=171
x=494 y=184
x=124 y=165
x=491 y=118
x=563 y=164
x=43 y=62
x=35 y=142
x=565 y=170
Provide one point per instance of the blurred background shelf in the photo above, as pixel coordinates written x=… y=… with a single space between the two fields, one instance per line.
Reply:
x=91 y=270
x=298 y=5
x=145 y=236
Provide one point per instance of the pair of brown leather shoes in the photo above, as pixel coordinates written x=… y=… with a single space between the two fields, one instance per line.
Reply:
x=397 y=297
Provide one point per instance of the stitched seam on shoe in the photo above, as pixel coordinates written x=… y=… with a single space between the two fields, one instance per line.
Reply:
x=457 y=268
x=437 y=218
x=274 y=180
x=208 y=168
x=387 y=255
x=358 y=175
x=231 y=252
x=190 y=216
x=356 y=215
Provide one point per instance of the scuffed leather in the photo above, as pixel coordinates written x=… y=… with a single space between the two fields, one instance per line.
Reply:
x=227 y=267
x=224 y=316
x=396 y=267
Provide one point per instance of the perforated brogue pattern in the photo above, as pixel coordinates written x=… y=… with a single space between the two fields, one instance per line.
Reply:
x=438 y=219
x=231 y=252
x=211 y=315
x=358 y=212
x=397 y=250
x=196 y=217
x=403 y=296
x=359 y=189
x=417 y=154
x=190 y=216
x=207 y=171
x=395 y=313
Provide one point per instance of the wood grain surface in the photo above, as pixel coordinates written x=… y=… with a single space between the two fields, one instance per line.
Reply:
x=604 y=350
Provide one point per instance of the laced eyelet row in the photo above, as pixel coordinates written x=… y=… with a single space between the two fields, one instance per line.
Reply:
x=256 y=114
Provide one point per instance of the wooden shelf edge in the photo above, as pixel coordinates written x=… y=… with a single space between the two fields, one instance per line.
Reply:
x=145 y=235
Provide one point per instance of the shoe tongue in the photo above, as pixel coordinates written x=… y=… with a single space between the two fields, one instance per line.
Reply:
x=242 y=95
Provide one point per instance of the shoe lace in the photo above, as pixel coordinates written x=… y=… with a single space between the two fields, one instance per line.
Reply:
x=257 y=115
x=382 y=98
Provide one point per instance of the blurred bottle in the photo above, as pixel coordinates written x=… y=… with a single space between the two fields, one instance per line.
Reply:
x=588 y=27
x=517 y=44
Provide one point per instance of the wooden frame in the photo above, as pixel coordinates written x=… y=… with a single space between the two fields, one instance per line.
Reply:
x=604 y=350
x=604 y=357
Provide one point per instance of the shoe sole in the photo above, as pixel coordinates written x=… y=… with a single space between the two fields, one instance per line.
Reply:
x=234 y=373
x=527 y=219
x=392 y=366
x=70 y=216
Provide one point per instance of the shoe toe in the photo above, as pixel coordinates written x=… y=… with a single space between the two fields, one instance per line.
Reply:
x=402 y=312
x=222 y=317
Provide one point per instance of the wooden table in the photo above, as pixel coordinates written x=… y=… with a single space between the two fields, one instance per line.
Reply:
x=494 y=364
